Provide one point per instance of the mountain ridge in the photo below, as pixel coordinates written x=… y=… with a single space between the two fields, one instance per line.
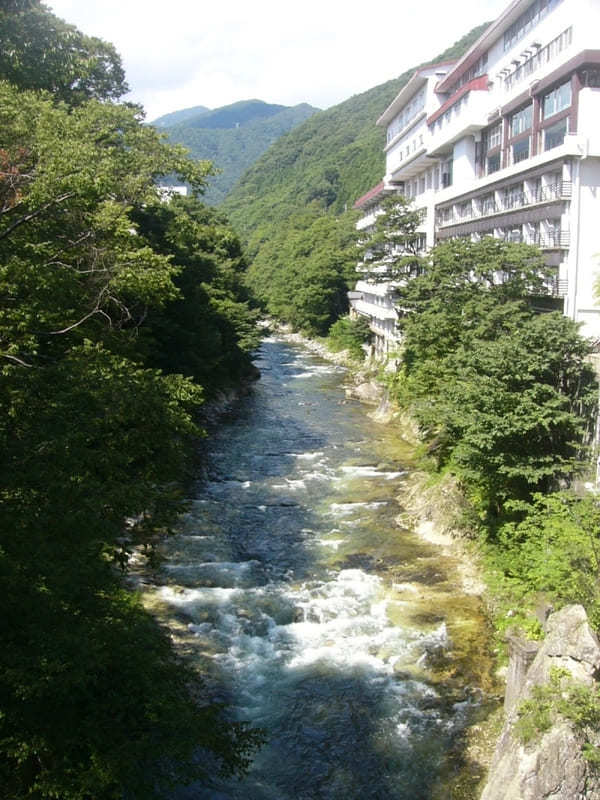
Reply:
x=233 y=137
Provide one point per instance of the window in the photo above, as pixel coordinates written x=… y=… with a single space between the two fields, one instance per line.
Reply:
x=495 y=136
x=409 y=111
x=557 y=100
x=521 y=121
x=547 y=53
x=590 y=77
x=447 y=173
x=528 y=20
x=477 y=69
x=555 y=134
x=520 y=150
x=464 y=210
x=513 y=196
x=493 y=163
x=488 y=204
x=512 y=234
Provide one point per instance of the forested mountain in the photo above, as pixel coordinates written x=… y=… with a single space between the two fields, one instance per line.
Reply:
x=175 y=117
x=289 y=206
x=232 y=137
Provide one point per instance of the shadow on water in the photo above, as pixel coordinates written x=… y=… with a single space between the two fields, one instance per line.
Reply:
x=276 y=580
x=342 y=736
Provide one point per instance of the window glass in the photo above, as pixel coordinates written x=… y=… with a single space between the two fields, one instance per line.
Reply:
x=521 y=121
x=520 y=150
x=495 y=136
x=557 y=100
x=488 y=204
x=493 y=163
x=555 y=134
x=527 y=20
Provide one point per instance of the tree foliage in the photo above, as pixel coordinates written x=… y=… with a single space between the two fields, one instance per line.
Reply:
x=392 y=249
x=554 y=549
x=208 y=330
x=503 y=393
x=98 y=282
x=303 y=273
x=41 y=51
x=350 y=334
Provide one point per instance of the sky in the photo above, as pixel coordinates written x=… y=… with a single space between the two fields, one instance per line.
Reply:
x=183 y=53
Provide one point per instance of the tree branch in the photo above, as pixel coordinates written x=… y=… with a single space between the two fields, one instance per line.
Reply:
x=18 y=360
x=36 y=213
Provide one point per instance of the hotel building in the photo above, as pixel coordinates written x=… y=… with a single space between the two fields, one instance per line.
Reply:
x=506 y=142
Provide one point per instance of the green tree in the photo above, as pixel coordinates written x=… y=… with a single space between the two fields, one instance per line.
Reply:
x=392 y=249
x=504 y=394
x=303 y=275
x=208 y=331
x=350 y=334
x=41 y=51
x=555 y=550
x=96 y=446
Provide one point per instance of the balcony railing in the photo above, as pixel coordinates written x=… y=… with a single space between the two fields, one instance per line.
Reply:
x=511 y=201
x=559 y=240
x=539 y=59
x=559 y=287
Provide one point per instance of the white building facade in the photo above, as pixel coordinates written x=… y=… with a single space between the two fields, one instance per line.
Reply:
x=506 y=142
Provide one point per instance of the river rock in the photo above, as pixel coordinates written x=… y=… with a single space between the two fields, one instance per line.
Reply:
x=369 y=392
x=551 y=768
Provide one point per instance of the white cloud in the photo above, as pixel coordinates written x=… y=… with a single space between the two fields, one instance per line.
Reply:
x=183 y=53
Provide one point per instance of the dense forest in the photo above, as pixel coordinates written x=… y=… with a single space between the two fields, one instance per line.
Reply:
x=232 y=137
x=119 y=315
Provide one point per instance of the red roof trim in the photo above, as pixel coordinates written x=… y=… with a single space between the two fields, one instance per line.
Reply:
x=370 y=195
x=479 y=84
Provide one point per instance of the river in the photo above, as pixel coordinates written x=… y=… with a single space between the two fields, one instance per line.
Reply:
x=314 y=616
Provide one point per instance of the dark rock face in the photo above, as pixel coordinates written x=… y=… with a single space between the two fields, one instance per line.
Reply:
x=552 y=768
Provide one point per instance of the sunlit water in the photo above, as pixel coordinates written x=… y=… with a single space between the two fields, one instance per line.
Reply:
x=296 y=587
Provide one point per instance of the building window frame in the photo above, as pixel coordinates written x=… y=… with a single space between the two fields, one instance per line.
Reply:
x=554 y=135
x=520 y=149
x=521 y=121
x=557 y=100
x=494 y=136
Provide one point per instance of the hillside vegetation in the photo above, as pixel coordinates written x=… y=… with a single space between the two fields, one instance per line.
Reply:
x=290 y=206
x=232 y=137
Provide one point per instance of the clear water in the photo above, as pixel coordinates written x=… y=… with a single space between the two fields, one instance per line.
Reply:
x=296 y=588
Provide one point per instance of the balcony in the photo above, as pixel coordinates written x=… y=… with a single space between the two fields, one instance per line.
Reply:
x=559 y=240
x=545 y=194
x=559 y=287
x=373 y=310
